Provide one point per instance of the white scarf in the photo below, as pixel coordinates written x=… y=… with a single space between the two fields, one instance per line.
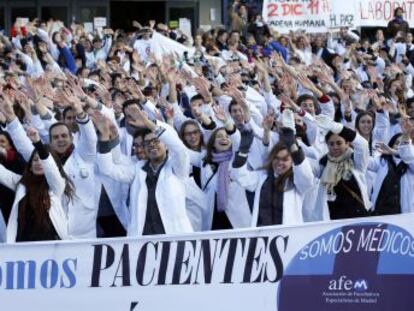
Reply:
x=336 y=169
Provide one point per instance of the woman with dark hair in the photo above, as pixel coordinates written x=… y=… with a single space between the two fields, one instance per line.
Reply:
x=342 y=191
x=192 y=137
x=364 y=124
x=14 y=162
x=280 y=186
x=228 y=206
x=392 y=191
x=37 y=213
x=373 y=133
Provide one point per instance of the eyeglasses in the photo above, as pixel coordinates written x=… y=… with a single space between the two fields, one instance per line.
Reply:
x=136 y=145
x=195 y=132
x=151 y=142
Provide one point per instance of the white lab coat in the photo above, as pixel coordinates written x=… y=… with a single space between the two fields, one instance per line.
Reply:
x=82 y=209
x=361 y=158
x=292 y=198
x=170 y=191
x=56 y=191
x=380 y=166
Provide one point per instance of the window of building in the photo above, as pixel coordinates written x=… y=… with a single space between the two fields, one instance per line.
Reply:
x=2 y=19
x=57 y=13
x=87 y=14
x=124 y=12
x=24 y=12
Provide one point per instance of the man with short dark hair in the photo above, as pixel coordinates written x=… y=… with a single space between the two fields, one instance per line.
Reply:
x=157 y=188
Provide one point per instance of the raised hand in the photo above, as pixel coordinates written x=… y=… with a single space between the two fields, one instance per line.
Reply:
x=139 y=118
x=324 y=78
x=135 y=90
x=235 y=80
x=280 y=62
x=136 y=24
x=103 y=93
x=372 y=72
x=220 y=113
x=202 y=85
x=236 y=94
x=75 y=86
x=375 y=99
x=308 y=84
x=268 y=121
x=6 y=108
x=33 y=135
x=407 y=126
x=24 y=102
x=305 y=81
x=346 y=102
x=101 y=124
x=385 y=149
x=260 y=66
x=289 y=103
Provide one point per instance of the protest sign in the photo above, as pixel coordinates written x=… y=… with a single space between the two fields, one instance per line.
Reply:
x=380 y=12
x=285 y=15
x=320 y=15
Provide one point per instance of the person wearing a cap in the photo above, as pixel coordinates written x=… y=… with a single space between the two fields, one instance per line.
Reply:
x=398 y=23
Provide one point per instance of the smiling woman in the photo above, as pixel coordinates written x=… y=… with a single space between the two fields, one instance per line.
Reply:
x=343 y=187
x=281 y=184
x=37 y=213
x=228 y=204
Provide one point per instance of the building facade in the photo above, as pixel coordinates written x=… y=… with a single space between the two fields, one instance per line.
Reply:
x=119 y=14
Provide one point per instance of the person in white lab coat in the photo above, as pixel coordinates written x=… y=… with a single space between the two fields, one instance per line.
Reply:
x=157 y=188
x=37 y=213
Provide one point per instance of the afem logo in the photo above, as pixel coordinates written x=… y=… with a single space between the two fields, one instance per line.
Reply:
x=345 y=284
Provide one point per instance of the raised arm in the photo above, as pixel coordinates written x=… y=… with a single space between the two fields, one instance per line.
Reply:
x=15 y=129
x=360 y=144
x=107 y=165
x=54 y=178
x=8 y=178
x=86 y=146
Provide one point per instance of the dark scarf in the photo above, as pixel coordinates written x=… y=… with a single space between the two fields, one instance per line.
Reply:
x=398 y=20
x=65 y=156
x=270 y=204
x=389 y=197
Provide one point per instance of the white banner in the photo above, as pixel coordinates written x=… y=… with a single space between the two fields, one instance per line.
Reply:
x=343 y=13
x=380 y=12
x=311 y=15
x=363 y=264
x=320 y=15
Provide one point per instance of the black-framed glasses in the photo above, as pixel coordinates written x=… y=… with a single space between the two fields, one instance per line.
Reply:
x=151 y=142
x=137 y=145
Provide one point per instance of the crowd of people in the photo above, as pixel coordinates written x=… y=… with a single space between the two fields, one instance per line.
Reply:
x=102 y=137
